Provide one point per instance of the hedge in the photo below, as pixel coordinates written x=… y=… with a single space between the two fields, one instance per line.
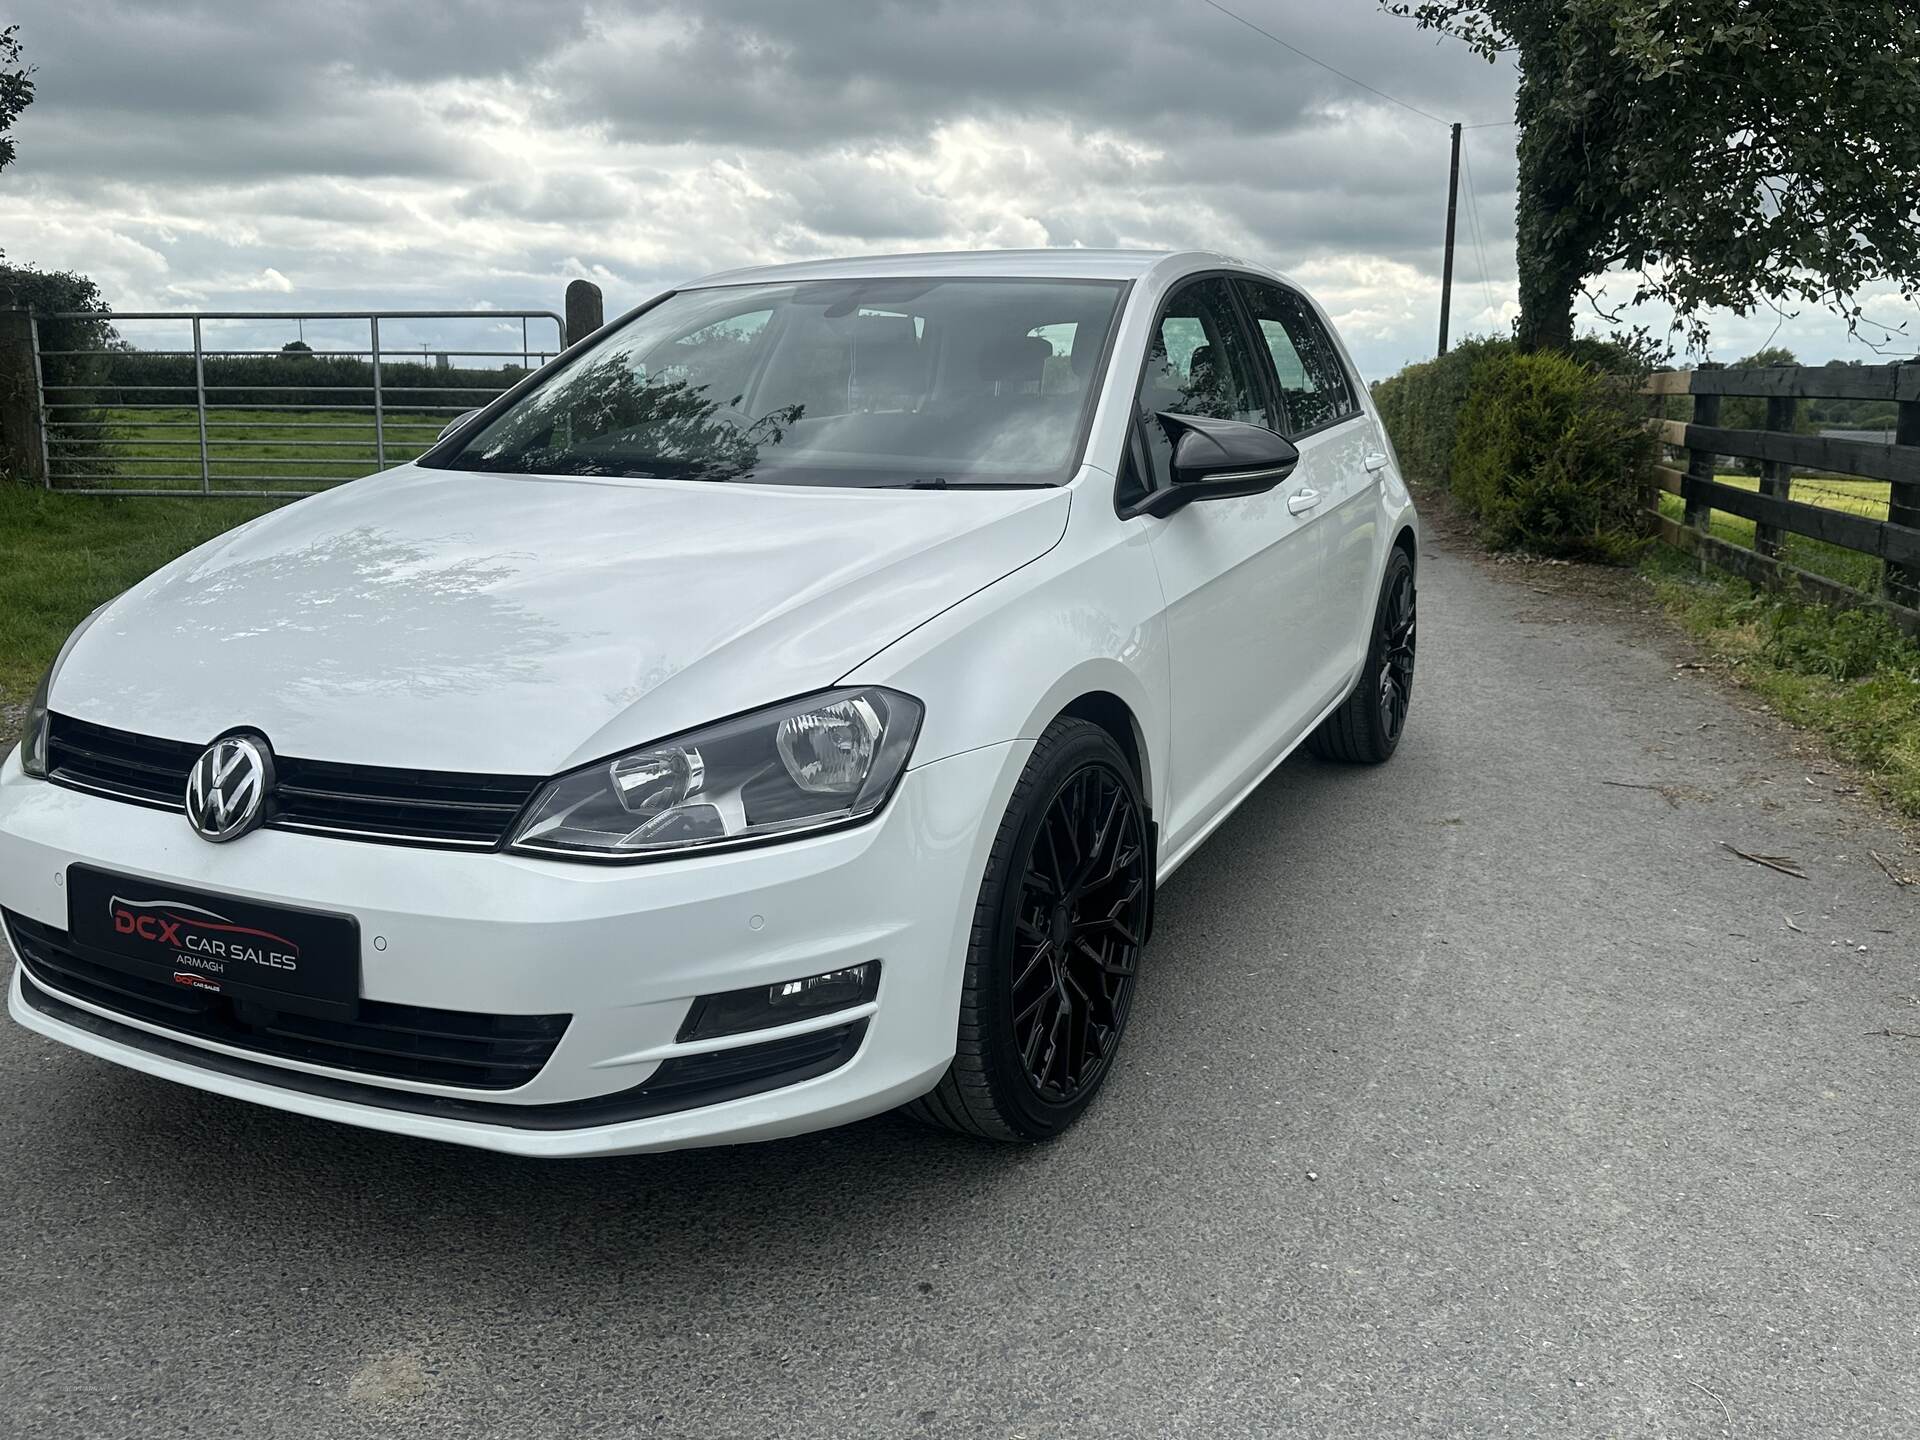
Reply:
x=1553 y=456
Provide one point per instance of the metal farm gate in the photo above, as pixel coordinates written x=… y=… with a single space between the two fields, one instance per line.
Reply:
x=195 y=417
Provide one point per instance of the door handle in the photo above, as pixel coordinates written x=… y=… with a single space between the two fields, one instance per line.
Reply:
x=1375 y=462
x=1302 y=501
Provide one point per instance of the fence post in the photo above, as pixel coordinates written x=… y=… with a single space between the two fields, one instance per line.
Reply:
x=1776 y=476
x=23 y=424
x=379 y=406
x=1901 y=583
x=1701 y=463
x=585 y=310
x=200 y=407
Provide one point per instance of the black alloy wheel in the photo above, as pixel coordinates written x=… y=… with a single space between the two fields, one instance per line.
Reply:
x=1366 y=729
x=1064 y=913
x=1396 y=669
x=1078 y=933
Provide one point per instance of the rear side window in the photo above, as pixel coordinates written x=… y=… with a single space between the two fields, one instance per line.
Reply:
x=1313 y=383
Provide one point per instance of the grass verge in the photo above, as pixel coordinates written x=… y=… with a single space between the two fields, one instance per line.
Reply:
x=1848 y=674
x=63 y=555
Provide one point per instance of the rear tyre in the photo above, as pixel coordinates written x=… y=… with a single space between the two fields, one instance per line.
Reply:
x=1055 y=948
x=1366 y=729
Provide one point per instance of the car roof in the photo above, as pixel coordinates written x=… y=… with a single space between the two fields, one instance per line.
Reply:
x=1062 y=264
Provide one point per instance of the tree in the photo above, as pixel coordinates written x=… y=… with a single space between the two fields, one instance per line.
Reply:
x=1731 y=153
x=296 y=347
x=16 y=93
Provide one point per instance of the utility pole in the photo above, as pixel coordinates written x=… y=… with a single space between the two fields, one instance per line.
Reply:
x=1453 y=210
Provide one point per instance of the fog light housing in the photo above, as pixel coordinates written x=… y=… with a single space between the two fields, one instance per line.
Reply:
x=758 y=1007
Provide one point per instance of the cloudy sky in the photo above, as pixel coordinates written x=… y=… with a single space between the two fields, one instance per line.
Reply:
x=332 y=154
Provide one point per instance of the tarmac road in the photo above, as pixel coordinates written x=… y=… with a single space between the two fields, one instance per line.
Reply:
x=1471 y=1096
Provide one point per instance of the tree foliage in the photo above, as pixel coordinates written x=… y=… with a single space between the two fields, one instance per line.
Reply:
x=1730 y=152
x=69 y=377
x=16 y=93
x=16 y=90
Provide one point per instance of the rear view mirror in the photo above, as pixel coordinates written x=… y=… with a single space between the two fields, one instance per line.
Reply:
x=1215 y=459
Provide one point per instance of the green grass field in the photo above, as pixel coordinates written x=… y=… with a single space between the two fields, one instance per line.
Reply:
x=1867 y=498
x=247 y=449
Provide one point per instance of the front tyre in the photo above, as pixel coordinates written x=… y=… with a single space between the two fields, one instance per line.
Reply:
x=1366 y=729
x=1055 y=948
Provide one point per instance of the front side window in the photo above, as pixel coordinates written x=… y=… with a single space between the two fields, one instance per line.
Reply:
x=1313 y=382
x=846 y=382
x=1197 y=364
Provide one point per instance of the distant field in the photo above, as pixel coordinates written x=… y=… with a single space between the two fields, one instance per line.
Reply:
x=250 y=449
x=1868 y=498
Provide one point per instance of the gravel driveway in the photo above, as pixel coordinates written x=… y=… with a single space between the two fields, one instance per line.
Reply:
x=1473 y=1096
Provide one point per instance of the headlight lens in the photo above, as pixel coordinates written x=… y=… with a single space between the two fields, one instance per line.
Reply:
x=33 y=740
x=827 y=760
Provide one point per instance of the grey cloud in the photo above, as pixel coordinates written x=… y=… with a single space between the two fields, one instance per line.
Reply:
x=743 y=71
x=356 y=145
x=577 y=196
x=255 y=57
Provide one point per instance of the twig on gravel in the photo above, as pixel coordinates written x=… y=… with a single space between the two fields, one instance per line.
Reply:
x=1894 y=1034
x=1791 y=926
x=1785 y=864
x=1898 y=877
x=1717 y=1400
x=1669 y=793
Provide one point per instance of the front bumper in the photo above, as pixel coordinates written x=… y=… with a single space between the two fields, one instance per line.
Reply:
x=623 y=950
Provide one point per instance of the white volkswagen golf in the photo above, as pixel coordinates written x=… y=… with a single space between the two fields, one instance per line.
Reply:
x=778 y=709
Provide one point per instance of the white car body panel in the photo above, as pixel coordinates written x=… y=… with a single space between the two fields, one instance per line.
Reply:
x=502 y=623
x=456 y=621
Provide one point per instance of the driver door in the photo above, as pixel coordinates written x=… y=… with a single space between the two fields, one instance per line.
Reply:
x=1240 y=576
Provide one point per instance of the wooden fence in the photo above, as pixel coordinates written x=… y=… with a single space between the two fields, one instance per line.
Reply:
x=1895 y=541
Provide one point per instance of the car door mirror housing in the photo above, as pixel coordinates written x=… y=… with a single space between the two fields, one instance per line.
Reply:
x=454 y=424
x=1217 y=459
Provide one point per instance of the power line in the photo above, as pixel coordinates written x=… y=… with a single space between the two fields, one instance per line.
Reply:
x=1479 y=241
x=1332 y=69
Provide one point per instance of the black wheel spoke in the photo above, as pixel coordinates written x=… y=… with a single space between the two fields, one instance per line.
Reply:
x=1397 y=634
x=1077 y=932
x=1042 y=955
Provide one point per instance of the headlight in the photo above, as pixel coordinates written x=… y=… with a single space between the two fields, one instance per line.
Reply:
x=33 y=740
x=830 y=759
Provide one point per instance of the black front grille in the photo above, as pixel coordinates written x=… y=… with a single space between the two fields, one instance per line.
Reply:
x=416 y=807
x=400 y=1042
x=113 y=762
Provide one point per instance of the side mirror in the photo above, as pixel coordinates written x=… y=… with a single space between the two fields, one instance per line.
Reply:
x=1217 y=459
x=454 y=424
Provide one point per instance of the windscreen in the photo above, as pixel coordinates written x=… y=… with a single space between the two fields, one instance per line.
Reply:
x=929 y=383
